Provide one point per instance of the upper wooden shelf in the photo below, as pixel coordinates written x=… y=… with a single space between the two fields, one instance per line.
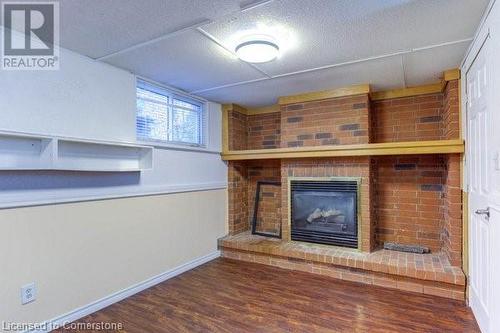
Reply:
x=369 y=149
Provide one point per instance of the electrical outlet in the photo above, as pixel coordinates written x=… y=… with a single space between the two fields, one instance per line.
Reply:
x=28 y=293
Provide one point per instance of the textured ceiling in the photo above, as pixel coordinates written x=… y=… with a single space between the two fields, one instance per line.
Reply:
x=100 y=27
x=325 y=43
x=326 y=32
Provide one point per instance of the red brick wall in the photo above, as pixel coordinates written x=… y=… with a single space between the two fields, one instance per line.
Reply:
x=452 y=228
x=332 y=167
x=264 y=131
x=269 y=212
x=450 y=114
x=242 y=186
x=336 y=121
x=269 y=216
x=237 y=197
x=255 y=131
x=350 y=120
x=415 y=118
x=238 y=130
x=410 y=202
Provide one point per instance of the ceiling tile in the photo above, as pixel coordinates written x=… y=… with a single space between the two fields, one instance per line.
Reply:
x=188 y=61
x=99 y=27
x=427 y=66
x=382 y=74
x=321 y=32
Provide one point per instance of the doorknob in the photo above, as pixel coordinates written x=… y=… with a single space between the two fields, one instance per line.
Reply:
x=484 y=212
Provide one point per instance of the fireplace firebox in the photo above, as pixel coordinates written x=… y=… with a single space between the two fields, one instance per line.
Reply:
x=325 y=211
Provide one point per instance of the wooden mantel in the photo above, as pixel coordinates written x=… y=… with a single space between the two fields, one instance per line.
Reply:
x=370 y=149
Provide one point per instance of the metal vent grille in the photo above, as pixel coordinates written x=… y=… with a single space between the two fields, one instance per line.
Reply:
x=338 y=186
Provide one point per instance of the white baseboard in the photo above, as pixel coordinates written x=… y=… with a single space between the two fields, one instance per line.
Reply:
x=122 y=294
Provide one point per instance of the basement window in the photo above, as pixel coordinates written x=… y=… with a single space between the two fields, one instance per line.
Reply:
x=168 y=118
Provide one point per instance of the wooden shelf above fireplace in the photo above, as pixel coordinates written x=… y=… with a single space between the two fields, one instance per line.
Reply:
x=370 y=149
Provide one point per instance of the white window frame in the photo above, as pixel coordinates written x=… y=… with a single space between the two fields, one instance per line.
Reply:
x=175 y=94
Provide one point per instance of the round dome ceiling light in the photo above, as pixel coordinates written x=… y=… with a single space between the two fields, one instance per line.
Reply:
x=257 y=49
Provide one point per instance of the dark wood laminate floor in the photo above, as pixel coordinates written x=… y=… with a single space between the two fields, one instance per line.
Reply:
x=232 y=296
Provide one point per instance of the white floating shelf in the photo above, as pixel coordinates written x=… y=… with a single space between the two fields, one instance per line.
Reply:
x=22 y=151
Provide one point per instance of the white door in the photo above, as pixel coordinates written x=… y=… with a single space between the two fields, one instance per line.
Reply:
x=484 y=187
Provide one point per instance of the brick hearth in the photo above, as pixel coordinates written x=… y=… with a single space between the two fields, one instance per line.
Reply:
x=424 y=273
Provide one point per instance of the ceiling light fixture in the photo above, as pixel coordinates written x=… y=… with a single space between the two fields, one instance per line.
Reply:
x=257 y=49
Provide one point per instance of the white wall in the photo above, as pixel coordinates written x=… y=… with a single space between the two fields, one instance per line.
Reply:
x=84 y=98
x=93 y=100
x=79 y=252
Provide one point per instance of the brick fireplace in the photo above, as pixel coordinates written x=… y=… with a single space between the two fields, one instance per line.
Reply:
x=325 y=210
x=406 y=199
x=356 y=167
